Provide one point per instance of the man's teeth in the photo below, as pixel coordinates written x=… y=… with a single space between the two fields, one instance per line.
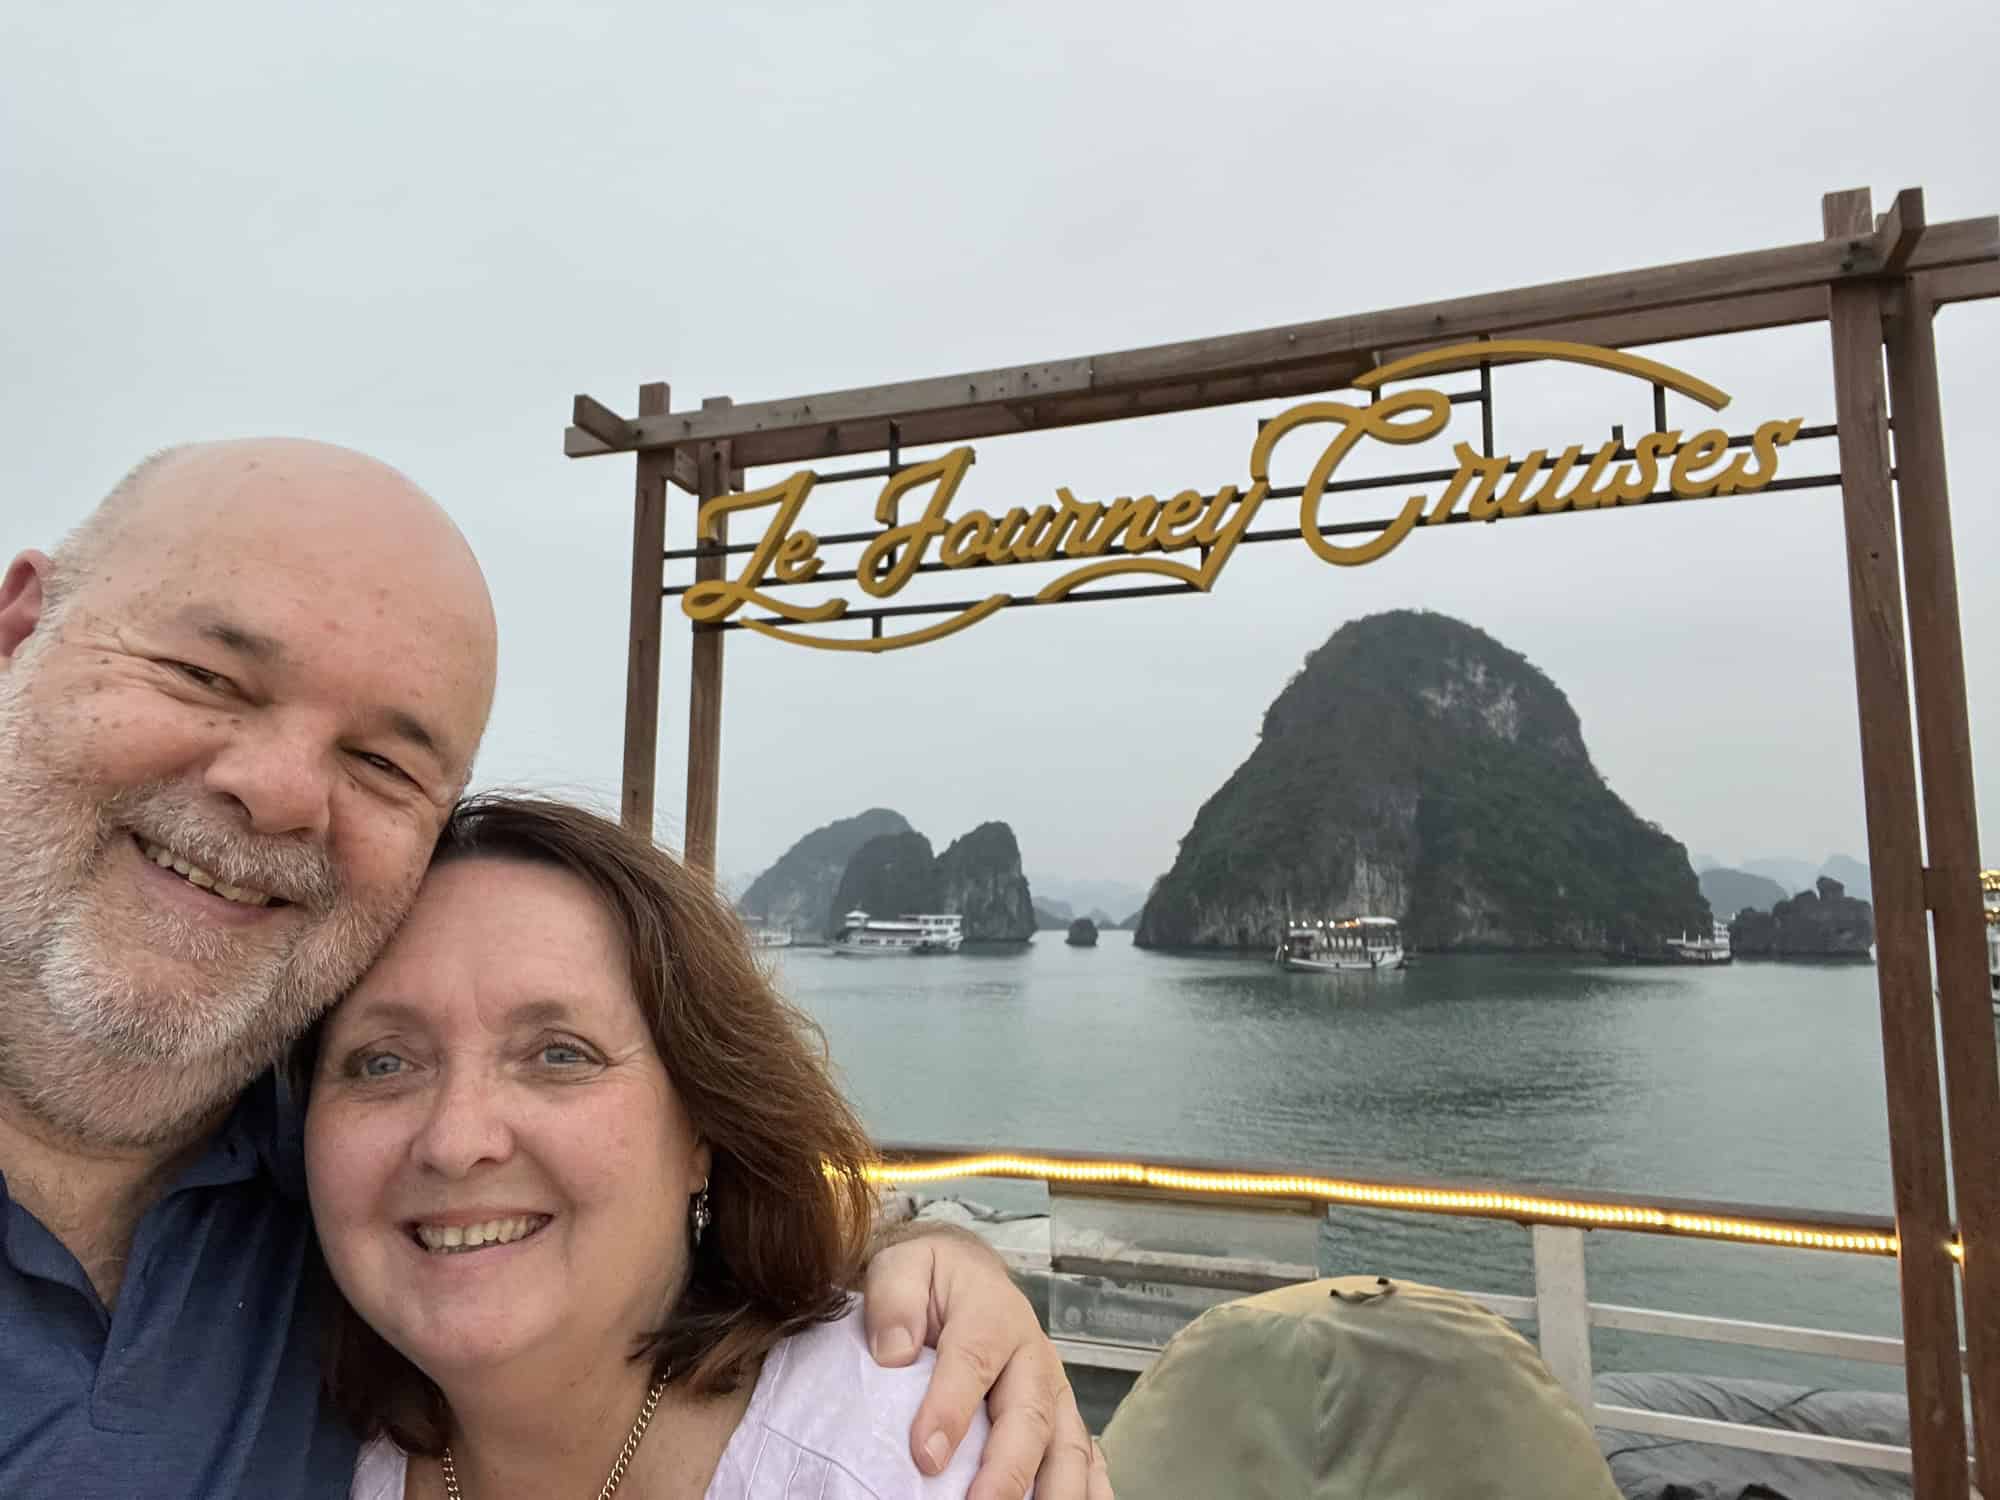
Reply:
x=443 y=1239
x=194 y=874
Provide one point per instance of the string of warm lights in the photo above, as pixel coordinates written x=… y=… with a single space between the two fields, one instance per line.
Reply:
x=1528 y=1208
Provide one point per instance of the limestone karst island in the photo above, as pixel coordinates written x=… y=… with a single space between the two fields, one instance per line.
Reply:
x=1414 y=769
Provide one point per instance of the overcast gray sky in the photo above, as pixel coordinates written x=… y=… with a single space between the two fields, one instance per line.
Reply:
x=419 y=229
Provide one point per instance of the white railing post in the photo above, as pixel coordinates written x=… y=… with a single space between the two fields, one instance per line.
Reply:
x=1562 y=1310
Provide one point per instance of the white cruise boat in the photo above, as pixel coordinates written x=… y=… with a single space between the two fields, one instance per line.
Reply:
x=770 y=937
x=944 y=932
x=1362 y=944
x=1713 y=949
x=863 y=936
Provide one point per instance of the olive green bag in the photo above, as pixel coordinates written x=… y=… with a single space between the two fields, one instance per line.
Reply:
x=1349 y=1388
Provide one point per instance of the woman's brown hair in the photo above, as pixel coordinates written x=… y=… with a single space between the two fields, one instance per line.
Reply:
x=791 y=1205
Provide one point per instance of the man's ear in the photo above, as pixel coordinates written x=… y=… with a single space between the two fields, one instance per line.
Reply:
x=21 y=601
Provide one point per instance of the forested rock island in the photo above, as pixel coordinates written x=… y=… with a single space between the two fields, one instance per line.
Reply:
x=1416 y=768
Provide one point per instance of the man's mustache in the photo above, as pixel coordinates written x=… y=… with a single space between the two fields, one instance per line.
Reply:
x=293 y=868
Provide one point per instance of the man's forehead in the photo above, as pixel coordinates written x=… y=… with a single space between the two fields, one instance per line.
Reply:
x=282 y=549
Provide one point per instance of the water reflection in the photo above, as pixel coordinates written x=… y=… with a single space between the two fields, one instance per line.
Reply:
x=1757 y=1083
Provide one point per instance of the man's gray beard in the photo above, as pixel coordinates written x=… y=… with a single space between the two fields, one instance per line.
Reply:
x=86 y=1046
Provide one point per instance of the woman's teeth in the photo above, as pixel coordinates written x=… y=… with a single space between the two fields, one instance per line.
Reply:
x=444 y=1239
x=194 y=874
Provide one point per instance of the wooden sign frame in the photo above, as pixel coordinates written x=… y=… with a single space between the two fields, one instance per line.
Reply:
x=1877 y=282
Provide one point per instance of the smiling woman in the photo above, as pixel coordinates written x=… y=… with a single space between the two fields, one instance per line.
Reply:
x=580 y=1172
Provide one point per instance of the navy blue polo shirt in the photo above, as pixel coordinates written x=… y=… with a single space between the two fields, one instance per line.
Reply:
x=203 y=1381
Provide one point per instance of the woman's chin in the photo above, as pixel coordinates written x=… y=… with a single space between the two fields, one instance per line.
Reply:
x=454 y=1311
x=451 y=1356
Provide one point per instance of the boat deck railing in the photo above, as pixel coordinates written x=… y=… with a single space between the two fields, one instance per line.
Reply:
x=1089 y=1192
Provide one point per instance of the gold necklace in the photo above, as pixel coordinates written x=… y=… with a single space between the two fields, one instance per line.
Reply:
x=617 y=1474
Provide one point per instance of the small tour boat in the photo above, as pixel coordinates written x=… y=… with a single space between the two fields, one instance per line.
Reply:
x=863 y=936
x=1362 y=944
x=1713 y=949
x=770 y=937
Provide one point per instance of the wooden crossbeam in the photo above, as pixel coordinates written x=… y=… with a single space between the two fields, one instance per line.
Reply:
x=1963 y=283
x=1059 y=393
x=596 y=429
x=602 y=423
x=1898 y=232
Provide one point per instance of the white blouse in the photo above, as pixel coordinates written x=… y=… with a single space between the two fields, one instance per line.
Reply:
x=824 y=1423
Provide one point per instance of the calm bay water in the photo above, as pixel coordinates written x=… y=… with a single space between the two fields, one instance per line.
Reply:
x=1760 y=1083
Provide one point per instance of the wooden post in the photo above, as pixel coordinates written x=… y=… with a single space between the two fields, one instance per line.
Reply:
x=704 y=766
x=1951 y=821
x=642 y=659
x=1902 y=969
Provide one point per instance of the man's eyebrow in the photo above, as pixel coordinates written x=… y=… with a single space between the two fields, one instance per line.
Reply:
x=406 y=726
x=231 y=636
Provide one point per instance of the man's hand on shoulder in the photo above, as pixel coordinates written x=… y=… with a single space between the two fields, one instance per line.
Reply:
x=941 y=1286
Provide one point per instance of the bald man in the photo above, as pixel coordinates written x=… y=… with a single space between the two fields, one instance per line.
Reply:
x=235 y=707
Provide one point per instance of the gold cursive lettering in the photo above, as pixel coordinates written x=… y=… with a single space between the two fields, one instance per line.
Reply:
x=1138 y=520
x=798 y=560
x=1585 y=494
x=969 y=534
x=718 y=598
x=1544 y=498
x=1073 y=523
x=1006 y=539
x=1144 y=529
x=1758 y=467
x=1180 y=518
x=1377 y=420
x=888 y=562
x=1637 y=487
x=1702 y=449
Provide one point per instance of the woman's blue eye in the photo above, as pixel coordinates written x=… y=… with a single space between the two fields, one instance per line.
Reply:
x=562 y=1055
x=381 y=1065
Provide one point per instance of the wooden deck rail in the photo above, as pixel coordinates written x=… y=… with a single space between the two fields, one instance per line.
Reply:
x=1559 y=1310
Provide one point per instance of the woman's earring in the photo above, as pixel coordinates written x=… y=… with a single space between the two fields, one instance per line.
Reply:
x=698 y=1216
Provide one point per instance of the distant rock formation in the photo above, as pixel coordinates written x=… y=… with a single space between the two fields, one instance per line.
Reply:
x=1063 y=893
x=796 y=892
x=1082 y=933
x=978 y=876
x=1052 y=915
x=888 y=876
x=1824 y=922
x=1730 y=891
x=1791 y=874
x=1416 y=768
x=1795 y=875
